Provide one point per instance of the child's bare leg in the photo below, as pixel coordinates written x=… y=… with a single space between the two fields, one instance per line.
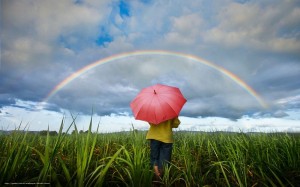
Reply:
x=156 y=171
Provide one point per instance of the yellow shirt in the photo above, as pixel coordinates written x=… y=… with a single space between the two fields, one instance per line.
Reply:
x=163 y=131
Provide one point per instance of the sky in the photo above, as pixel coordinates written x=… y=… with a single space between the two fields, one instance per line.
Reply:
x=237 y=62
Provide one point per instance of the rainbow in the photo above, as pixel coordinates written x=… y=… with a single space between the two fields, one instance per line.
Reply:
x=220 y=69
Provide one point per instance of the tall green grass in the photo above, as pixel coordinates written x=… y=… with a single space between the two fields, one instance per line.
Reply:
x=122 y=159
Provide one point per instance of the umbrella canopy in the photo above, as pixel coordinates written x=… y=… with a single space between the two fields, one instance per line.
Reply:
x=157 y=103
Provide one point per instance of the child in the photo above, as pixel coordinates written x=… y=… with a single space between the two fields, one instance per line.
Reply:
x=161 y=141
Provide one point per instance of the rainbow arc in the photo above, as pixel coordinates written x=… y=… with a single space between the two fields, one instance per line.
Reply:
x=112 y=58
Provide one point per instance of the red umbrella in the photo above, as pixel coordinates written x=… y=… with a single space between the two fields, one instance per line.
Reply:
x=157 y=103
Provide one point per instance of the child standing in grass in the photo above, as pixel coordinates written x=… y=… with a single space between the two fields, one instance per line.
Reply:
x=161 y=141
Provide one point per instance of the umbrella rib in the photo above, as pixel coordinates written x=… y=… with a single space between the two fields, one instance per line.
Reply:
x=167 y=104
x=154 y=112
x=171 y=107
x=148 y=105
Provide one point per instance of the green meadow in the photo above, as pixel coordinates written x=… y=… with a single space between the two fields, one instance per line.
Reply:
x=122 y=159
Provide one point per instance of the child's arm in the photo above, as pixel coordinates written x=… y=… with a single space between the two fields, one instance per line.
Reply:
x=175 y=122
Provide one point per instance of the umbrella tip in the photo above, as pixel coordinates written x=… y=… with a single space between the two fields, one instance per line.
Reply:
x=154 y=91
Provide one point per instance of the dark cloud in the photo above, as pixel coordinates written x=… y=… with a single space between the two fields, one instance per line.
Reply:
x=280 y=114
x=6 y=100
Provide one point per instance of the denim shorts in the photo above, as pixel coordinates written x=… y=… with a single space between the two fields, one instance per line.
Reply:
x=160 y=153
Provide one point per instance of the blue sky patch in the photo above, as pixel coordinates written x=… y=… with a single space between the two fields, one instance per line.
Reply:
x=146 y=1
x=78 y=1
x=242 y=1
x=103 y=38
x=124 y=9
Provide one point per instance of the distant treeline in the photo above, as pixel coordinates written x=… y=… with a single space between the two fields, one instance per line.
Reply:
x=42 y=132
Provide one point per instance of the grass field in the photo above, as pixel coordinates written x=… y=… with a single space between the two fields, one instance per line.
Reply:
x=122 y=159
